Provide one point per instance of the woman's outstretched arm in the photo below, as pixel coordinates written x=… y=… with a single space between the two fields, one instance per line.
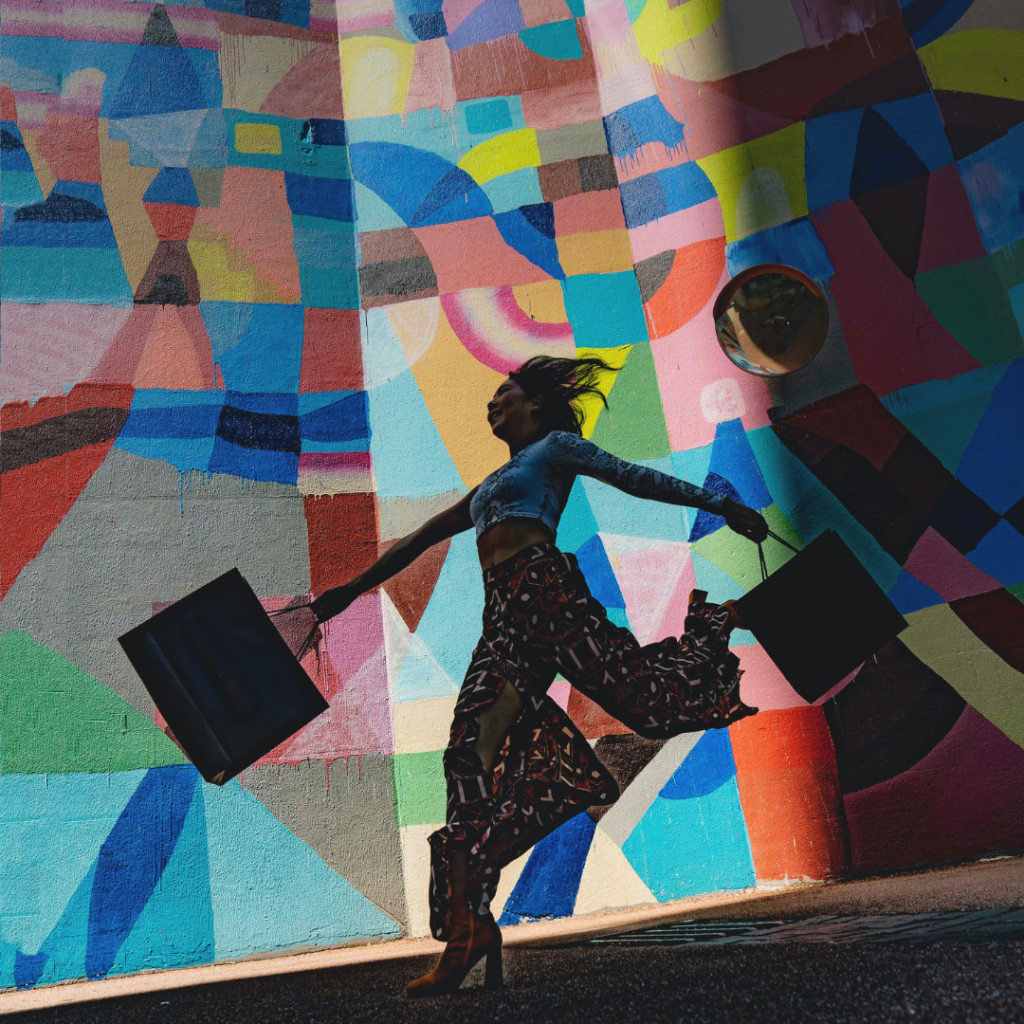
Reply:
x=401 y=554
x=583 y=457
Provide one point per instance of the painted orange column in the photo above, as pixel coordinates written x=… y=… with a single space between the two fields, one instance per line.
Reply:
x=789 y=789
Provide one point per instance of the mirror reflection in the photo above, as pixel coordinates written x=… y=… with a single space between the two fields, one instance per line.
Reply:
x=771 y=320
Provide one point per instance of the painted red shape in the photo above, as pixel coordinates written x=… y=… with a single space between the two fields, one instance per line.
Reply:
x=311 y=89
x=950 y=232
x=342 y=537
x=592 y=720
x=71 y=147
x=410 y=590
x=856 y=419
x=789 y=790
x=690 y=285
x=962 y=800
x=33 y=501
x=170 y=221
x=893 y=338
x=160 y=347
x=997 y=618
x=332 y=358
x=8 y=108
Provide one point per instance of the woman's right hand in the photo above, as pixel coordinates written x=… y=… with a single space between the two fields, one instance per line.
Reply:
x=745 y=521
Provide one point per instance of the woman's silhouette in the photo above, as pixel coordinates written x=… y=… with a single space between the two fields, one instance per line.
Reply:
x=516 y=766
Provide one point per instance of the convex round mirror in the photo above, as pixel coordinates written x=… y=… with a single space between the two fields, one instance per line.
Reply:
x=771 y=320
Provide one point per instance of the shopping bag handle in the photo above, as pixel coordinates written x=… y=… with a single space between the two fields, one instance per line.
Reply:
x=760 y=553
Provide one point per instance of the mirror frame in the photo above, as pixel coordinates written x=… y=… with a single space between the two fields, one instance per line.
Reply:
x=726 y=294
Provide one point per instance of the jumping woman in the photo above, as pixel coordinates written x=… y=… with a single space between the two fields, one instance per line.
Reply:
x=516 y=766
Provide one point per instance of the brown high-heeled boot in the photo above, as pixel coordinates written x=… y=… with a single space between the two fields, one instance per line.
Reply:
x=472 y=937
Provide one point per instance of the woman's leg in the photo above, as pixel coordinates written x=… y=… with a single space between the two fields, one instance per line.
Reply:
x=493 y=725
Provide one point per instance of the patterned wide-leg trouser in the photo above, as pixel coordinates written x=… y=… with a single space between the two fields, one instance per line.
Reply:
x=540 y=619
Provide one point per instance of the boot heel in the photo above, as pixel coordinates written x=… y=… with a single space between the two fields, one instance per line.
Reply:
x=493 y=974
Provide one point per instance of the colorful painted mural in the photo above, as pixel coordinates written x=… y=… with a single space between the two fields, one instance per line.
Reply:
x=264 y=261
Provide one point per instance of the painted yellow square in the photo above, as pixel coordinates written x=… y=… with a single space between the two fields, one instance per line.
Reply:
x=258 y=138
x=595 y=252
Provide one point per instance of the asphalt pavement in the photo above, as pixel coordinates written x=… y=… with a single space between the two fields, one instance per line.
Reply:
x=935 y=947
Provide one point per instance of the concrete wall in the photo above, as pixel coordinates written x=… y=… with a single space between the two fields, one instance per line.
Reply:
x=264 y=262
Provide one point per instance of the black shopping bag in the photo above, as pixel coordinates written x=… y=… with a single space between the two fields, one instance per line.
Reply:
x=222 y=676
x=819 y=615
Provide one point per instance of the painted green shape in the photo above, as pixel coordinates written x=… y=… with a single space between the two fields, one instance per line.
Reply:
x=737 y=557
x=1018 y=591
x=969 y=300
x=56 y=718
x=1008 y=266
x=420 y=793
x=946 y=430
x=557 y=40
x=633 y=426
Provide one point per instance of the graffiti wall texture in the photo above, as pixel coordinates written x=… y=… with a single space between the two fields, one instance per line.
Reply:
x=264 y=261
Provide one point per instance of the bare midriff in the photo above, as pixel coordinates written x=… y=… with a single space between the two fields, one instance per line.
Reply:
x=508 y=538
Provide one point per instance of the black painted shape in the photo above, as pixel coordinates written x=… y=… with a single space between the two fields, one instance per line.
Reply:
x=541 y=216
x=270 y=10
x=597 y=173
x=870 y=498
x=897 y=80
x=882 y=157
x=59 y=207
x=9 y=141
x=167 y=290
x=973 y=121
x=159 y=30
x=1015 y=516
x=889 y=717
x=962 y=517
x=260 y=430
x=652 y=273
x=625 y=756
x=896 y=216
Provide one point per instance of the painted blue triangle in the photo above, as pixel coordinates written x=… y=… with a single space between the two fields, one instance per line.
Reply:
x=598 y=571
x=175 y=929
x=910 y=594
x=709 y=764
x=133 y=858
x=541 y=216
x=578 y=523
x=72 y=813
x=707 y=522
x=159 y=79
x=270 y=891
x=733 y=459
x=550 y=880
x=172 y=185
x=523 y=236
x=883 y=157
x=450 y=624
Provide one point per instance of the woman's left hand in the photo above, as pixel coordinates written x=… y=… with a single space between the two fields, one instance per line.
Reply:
x=745 y=521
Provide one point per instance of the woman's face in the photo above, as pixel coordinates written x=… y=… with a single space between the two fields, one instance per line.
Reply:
x=510 y=413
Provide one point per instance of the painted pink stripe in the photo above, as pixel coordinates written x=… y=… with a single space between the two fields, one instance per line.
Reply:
x=697 y=224
x=517 y=318
x=335 y=462
x=60 y=9
x=97 y=35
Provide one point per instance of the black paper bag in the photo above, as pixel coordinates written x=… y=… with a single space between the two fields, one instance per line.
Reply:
x=820 y=615
x=222 y=676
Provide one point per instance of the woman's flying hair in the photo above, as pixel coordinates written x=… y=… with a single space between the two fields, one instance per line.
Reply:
x=561 y=383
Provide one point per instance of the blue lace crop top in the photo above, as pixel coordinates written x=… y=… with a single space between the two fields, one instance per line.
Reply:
x=535 y=483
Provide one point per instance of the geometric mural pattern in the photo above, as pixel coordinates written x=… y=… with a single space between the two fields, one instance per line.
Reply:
x=264 y=264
